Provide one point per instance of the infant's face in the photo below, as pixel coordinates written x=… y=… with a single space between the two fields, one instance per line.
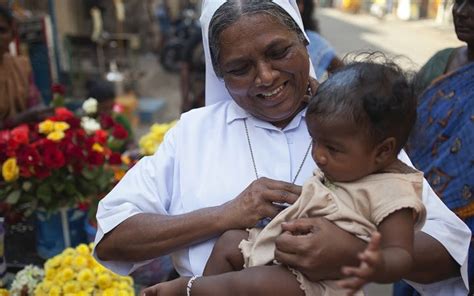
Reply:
x=340 y=149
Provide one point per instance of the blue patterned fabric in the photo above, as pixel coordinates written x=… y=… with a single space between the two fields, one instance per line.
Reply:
x=442 y=146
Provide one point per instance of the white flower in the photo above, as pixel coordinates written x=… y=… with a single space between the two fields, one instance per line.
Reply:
x=28 y=277
x=89 y=124
x=90 y=106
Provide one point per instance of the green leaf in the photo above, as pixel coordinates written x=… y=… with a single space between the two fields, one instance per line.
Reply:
x=44 y=192
x=13 y=197
x=89 y=174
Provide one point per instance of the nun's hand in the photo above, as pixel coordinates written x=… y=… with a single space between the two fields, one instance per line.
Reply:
x=317 y=247
x=257 y=201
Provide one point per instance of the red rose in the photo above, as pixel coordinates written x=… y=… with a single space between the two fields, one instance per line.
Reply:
x=119 y=132
x=106 y=121
x=20 y=134
x=63 y=114
x=100 y=136
x=27 y=156
x=95 y=158
x=25 y=171
x=74 y=122
x=115 y=158
x=4 y=136
x=57 y=88
x=53 y=158
x=77 y=167
x=41 y=172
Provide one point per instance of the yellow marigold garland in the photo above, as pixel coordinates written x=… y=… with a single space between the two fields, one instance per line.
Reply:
x=76 y=272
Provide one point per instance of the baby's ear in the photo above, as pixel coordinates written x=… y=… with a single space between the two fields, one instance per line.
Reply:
x=386 y=150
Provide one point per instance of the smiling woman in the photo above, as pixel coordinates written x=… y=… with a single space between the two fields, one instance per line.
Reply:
x=201 y=182
x=267 y=73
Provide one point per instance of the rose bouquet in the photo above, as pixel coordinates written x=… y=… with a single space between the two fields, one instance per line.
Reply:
x=60 y=162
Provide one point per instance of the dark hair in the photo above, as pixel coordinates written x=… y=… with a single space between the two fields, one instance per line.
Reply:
x=101 y=90
x=231 y=11
x=6 y=14
x=309 y=22
x=377 y=96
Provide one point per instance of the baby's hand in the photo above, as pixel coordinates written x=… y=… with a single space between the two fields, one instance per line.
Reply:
x=371 y=263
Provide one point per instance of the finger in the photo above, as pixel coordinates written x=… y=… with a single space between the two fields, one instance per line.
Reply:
x=150 y=291
x=292 y=243
x=280 y=196
x=370 y=258
x=301 y=225
x=354 y=284
x=280 y=185
x=362 y=271
x=374 y=243
x=290 y=259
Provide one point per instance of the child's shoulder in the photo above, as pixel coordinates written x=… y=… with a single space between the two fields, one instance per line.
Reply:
x=399 y=167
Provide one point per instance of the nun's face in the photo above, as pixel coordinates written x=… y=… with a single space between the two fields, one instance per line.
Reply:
x=265 y=68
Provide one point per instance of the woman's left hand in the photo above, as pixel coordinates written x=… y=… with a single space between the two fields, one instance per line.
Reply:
x=317 y=247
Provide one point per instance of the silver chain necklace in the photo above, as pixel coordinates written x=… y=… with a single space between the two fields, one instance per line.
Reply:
x=253 y=158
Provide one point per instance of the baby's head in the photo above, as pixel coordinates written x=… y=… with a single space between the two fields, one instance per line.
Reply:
x=360 y=119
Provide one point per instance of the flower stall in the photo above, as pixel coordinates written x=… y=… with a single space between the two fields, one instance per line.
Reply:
x=56 y=168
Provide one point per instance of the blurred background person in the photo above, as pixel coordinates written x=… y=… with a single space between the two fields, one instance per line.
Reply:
x=323 y=56
x=20 y=100
x=443 y=141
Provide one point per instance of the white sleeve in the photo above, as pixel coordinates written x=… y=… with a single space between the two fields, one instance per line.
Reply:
x=444 y=226
x=146 y=188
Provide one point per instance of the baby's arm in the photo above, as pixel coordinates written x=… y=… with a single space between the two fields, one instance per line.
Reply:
x=388 y=256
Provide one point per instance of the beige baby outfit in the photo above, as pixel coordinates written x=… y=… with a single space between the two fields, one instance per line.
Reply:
x=357 y=207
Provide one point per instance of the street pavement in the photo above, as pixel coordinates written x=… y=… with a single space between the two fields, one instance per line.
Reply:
x=416 y=40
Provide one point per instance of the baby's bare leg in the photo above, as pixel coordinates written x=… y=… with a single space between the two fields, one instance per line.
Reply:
x=226 y=255
x=255 y=281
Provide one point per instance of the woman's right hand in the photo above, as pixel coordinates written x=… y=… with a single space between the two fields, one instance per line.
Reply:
x=257 y=202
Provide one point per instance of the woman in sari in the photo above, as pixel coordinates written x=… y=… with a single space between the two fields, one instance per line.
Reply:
x=20 y=100
x=443 y=141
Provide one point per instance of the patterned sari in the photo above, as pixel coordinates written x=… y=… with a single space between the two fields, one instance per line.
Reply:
x=442 y=145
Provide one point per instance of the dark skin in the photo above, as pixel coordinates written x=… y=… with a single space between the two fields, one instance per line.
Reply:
x=463 y=17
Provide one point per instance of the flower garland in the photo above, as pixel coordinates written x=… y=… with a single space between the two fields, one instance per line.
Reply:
x=76 y=272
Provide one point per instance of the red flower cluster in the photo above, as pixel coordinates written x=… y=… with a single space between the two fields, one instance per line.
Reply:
x=62 y=170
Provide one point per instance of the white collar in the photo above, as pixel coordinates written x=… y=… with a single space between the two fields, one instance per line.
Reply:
x=235 y=112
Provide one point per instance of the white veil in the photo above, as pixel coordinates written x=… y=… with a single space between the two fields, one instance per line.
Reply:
x=215 y=88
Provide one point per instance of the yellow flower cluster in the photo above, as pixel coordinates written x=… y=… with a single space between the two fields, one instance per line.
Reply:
x=53 y=129
x=10 y=170
x=150 y=142
x=76 y=272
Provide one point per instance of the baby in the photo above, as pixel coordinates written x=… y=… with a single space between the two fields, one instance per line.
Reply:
x=359 y=120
